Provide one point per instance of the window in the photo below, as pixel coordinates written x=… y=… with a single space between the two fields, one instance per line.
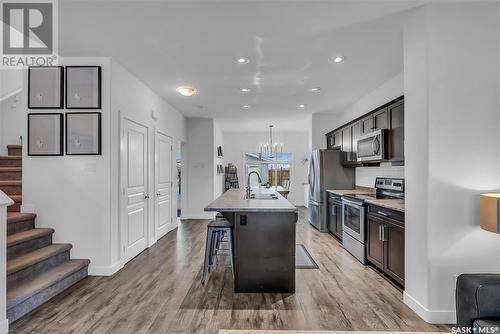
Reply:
x=273 y=171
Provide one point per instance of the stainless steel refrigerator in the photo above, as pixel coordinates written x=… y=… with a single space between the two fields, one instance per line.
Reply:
x=325 y=172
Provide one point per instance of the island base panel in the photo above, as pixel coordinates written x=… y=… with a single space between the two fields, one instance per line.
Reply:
x=264 y=252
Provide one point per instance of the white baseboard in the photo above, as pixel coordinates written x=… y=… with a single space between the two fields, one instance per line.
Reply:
x=105 y=270
x=430 y=316
x=4 y=326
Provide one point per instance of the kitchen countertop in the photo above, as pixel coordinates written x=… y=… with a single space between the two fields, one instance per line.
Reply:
x=357 y=191
x=393 y=204
x=234 y=200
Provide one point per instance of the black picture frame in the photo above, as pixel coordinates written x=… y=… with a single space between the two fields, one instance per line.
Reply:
x=60 y=104
x=61 y=142
x=99 y=132
x=99 y=88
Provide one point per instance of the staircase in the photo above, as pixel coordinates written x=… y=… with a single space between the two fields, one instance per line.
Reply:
x=37 y=269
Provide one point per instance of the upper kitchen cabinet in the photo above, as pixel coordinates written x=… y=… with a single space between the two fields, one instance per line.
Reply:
x=334 y=140
x=389 y=116
x=396 y=124
x=374 y=121
x=346 y=139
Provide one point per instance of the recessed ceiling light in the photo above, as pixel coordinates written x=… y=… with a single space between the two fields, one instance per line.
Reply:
x=315 y=89
x=302 y=105
x=242 y=60
x=338 y=59
x=246 y=106
x=245 y=90
x=186 y=91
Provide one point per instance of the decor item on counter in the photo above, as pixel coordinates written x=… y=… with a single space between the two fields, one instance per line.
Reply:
x=45 y=87
x=270 y=149
x=83 y=87
x=231 y=177
x=45 y=134
x=219 y=152
x=83 y=133
x=489 y=211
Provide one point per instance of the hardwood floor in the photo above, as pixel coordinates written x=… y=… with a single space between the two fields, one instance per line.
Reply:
x=160 y=292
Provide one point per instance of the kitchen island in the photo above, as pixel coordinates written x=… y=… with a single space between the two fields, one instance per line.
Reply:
x=264 y=239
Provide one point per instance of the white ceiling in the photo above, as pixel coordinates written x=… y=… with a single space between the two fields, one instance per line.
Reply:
x=290 y=45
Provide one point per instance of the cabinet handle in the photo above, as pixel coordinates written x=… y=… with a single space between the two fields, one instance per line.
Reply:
x=383 y=233
x=382 y=213
x=146 y=196
x=380 y=232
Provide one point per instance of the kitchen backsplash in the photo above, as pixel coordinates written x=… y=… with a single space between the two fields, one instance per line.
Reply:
x=365 y=176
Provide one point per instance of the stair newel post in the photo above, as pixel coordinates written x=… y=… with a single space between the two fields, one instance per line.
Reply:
x=5 y=201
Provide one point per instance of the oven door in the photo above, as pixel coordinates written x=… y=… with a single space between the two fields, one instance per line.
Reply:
x=353 y=219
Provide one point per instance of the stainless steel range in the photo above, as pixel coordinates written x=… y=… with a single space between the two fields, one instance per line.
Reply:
x=354 y=214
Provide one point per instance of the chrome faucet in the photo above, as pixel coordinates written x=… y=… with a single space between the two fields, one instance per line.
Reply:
x=248 y=182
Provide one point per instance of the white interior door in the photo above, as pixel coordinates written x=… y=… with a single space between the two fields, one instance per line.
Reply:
x=164 y=221
x=134 y=180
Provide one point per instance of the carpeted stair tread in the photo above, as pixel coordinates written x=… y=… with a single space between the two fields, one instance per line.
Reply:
x=16 y=217
x=11 y=183
x=11 y=169
x=10 y=157
x=31 y=258
x=17 y=238
x=16 y=198
x=25 y=290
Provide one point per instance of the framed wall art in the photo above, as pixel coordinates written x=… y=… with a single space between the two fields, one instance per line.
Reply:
x=45 y=87
x=83 y=133
x=83 y=87
x=45 y=134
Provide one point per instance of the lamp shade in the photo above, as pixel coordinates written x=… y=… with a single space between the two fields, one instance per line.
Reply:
x=489 y=207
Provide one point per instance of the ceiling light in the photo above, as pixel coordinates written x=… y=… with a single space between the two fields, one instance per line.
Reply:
x=338 y=59
x=315 y=89
x=242 y=60
x=302 y=105
x=245 y=90
x=186 y=91
x=246 y=106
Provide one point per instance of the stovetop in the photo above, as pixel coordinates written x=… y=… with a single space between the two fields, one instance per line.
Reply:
x=386 y=188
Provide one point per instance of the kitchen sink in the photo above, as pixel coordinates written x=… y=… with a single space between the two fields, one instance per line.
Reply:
x=262 y=196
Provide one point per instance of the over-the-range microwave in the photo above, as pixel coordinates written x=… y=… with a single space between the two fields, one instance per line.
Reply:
x=373 y=146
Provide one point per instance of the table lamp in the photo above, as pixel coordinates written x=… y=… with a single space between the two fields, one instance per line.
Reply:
x=489 y=211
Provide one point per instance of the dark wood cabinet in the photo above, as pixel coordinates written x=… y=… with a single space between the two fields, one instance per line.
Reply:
x=375 y=249
x=366 y=124
x=346 y=139
x=334 y=221
x=380 y=119
x=396 y=137
x=389 y=116
x=386 y=241
x=356 y=133
x=394 y=257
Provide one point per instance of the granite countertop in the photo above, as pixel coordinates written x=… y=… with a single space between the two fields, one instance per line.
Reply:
x=393 y=204
x=234 y=200
x=356 y=191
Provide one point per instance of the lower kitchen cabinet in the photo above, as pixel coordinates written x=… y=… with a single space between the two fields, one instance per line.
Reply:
x=386 y=241
x=375 y=249
x=335 y=215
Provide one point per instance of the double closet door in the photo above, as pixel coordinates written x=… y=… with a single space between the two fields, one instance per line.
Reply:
x=146 y=210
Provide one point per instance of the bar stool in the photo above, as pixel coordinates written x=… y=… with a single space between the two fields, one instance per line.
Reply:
x=217 y=230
